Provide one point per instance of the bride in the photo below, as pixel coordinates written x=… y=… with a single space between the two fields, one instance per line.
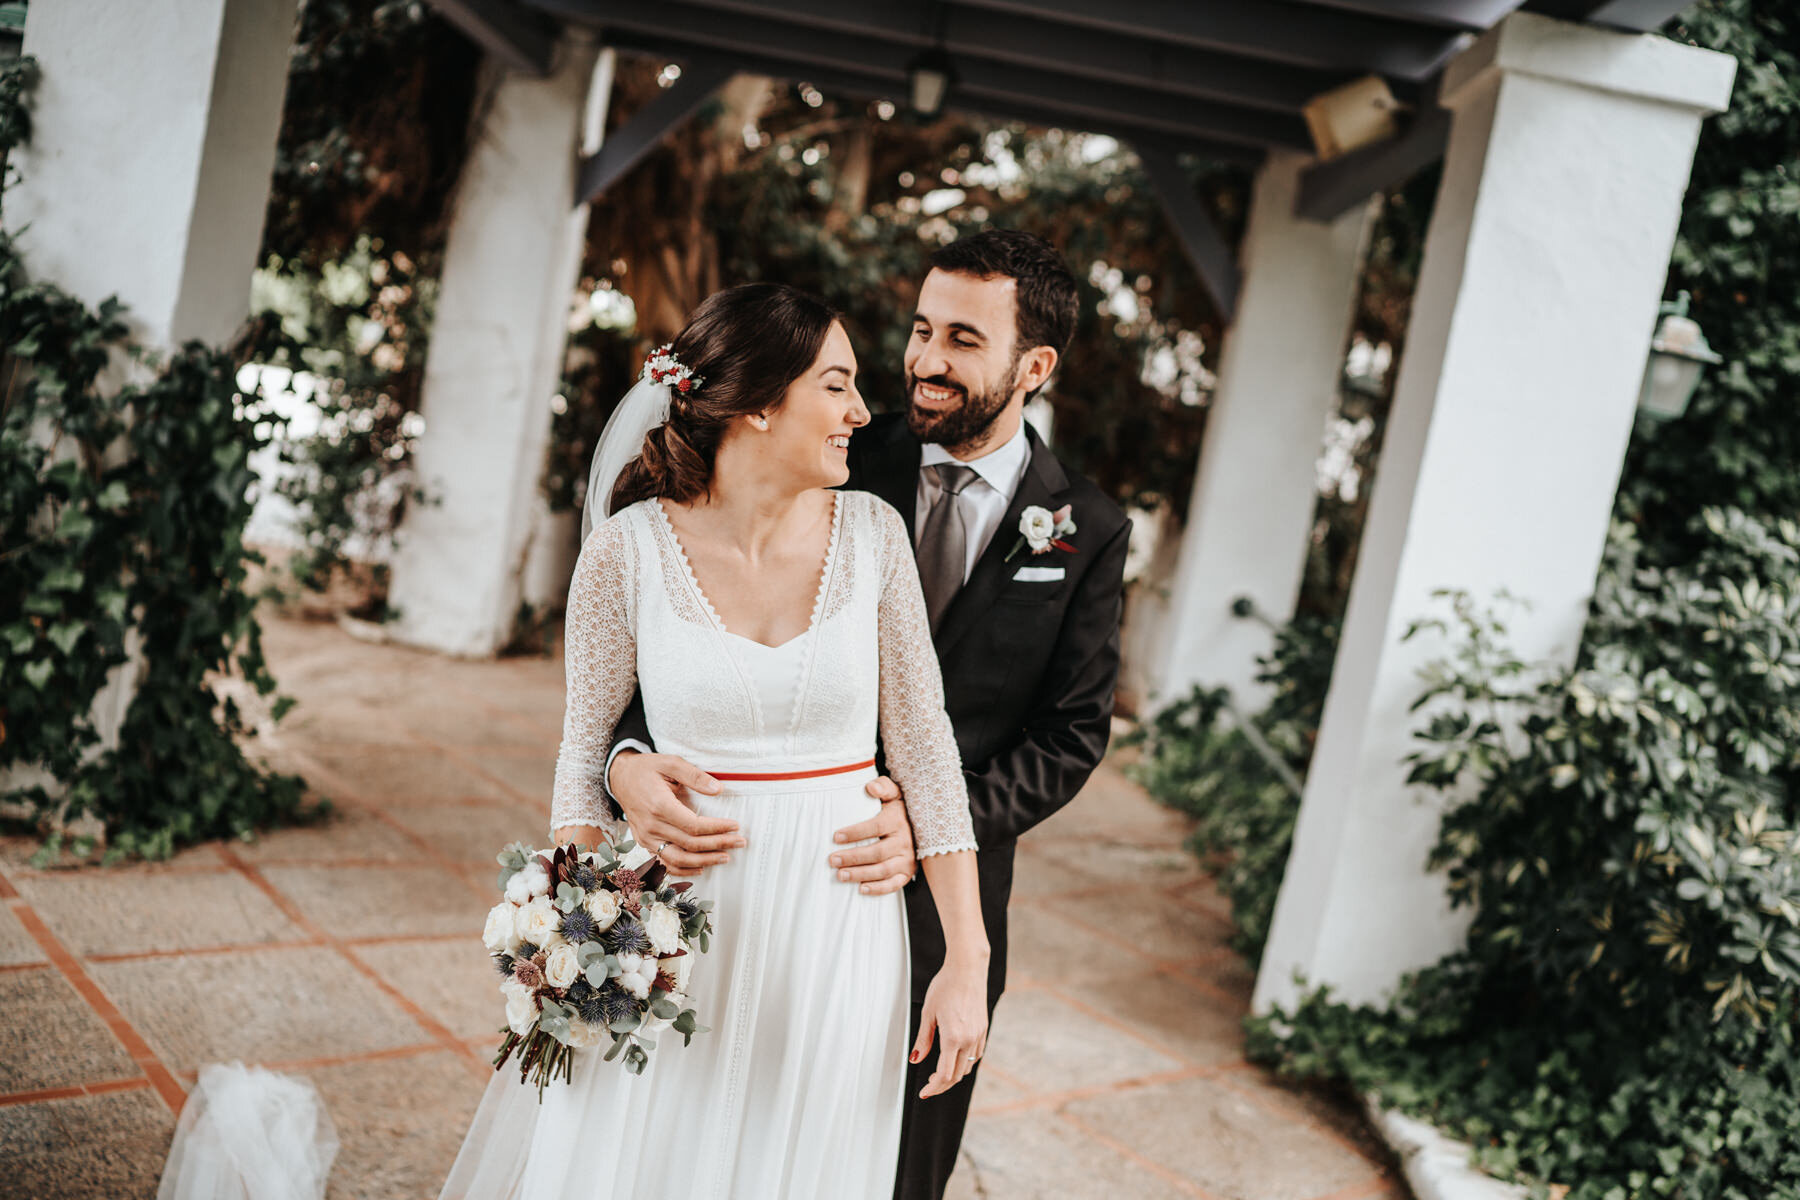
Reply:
x=773 y=626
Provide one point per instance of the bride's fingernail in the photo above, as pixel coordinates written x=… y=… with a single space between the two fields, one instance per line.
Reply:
x=844 y=876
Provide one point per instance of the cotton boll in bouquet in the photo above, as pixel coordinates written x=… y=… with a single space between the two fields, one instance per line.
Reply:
x=591 y=946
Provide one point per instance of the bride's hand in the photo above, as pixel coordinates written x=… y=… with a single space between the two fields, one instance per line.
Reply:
x=956 y=1012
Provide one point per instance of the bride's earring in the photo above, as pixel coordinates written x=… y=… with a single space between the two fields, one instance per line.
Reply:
x=761 y=422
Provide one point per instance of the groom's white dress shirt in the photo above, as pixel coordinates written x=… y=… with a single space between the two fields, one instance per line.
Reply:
x=985 y=501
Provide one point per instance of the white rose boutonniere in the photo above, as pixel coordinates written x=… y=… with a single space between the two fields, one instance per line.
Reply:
x=1043 y=531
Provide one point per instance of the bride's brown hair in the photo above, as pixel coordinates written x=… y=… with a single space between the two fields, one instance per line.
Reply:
x=746 y=344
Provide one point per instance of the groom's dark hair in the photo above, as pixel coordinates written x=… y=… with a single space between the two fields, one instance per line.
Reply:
x=1046 y=293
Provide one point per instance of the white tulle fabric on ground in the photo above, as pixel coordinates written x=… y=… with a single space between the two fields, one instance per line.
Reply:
x=247 y=1133
x=795 y=1094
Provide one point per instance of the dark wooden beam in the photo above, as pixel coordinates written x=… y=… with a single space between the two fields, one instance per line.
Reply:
x=521 y=39
x=1469 y=16
x=1637 y=16
x=1211 y=255
x=1282 y=30
x=626 y=146
x=802 y=53
x=1146 y=63
x=1335 y=187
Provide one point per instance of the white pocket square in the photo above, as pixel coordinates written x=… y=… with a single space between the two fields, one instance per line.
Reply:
x=1039 y=574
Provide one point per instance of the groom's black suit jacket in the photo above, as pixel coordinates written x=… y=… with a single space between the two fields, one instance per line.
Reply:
x=1029 y=668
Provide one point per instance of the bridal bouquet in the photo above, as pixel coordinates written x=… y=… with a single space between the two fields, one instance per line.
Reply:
x=591 y=945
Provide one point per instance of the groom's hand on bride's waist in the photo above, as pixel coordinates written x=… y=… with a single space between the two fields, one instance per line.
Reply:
x=887 y=863
x=649 y=790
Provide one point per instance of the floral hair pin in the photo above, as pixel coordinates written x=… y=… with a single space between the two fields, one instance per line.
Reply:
x=1043 y=531
x=663 y=367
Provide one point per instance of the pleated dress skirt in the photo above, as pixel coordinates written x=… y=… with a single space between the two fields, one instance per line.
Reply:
x=795 y=1094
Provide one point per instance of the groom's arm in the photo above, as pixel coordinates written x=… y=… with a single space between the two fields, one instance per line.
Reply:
x=1067 y=729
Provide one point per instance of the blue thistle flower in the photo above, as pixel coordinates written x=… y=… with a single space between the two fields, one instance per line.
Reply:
x=586 y=878
x=578 y=926
x=580 y=990
x=627 y=937
x=504 y=964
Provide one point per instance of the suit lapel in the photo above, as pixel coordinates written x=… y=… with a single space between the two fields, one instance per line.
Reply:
x=1042 y=482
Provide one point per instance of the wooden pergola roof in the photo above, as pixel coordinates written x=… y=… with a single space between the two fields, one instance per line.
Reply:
x=1226 y=79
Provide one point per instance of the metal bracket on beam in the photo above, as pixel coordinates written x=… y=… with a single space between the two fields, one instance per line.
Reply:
x=1333 y=188
x=626 y=146
x=522 y=40
x=1213 y=259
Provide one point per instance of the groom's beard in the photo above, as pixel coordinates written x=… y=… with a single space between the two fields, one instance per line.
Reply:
x=966 y=424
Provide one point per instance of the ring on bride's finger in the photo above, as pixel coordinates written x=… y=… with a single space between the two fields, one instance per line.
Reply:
x=659 y=849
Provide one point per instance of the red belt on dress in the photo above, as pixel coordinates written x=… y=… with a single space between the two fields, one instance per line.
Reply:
x=776 y=775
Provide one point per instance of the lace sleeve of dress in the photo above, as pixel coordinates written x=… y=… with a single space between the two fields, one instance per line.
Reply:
x=600 y=666
x=915 y=731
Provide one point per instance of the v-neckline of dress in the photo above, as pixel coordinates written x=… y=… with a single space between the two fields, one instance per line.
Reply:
x=693 y=580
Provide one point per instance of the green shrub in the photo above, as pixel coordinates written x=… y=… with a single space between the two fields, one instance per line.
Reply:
x=122 y=512
x=1623 y=1016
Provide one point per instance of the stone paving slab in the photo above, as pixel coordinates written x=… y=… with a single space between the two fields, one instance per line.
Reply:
x=350 y=832
x=1050 y=1046
x=106 y=1147
x=471 y=833
x=452 y=979
x=129 y=912
x=50 y=1038
x=390 y=775
x=1030 y=1154
x=259 y=1006
x=17 y=947
x=399 y=1122
x=1224 y=1142
x=398 y=901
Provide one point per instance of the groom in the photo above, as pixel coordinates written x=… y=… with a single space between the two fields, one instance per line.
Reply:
x=1028 y=641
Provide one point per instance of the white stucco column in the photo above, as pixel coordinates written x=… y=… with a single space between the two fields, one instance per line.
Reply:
x=1546 y=257
x=153 y=140
x=1254 y=490
x=510 y=269
x=154 y=127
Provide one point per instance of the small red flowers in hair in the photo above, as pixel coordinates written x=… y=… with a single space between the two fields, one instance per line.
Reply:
x=663 y=367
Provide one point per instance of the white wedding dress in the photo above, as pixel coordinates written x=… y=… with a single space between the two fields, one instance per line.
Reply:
x=796 y=1092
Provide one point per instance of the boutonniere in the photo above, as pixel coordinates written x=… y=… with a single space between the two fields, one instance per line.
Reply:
x=1043 y=531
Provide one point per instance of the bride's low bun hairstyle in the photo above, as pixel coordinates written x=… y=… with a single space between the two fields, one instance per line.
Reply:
x=747 y=345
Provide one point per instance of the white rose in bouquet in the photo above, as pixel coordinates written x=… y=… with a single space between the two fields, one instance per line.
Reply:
x=1038 y=525
x=603 y=906
x=532 y=881
x=562 y=967
x=501 y=933
x=510 y=987
x=521 y=1012
x=583 y=1036
x=539 y=923
x=635 y=858
x=680 y=968
x=662 y=925
x=636 y=973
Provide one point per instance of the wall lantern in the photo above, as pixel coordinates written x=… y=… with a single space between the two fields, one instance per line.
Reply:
x=928 y=77
x=1678 y=356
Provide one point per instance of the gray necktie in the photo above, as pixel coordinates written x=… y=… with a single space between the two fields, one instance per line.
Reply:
x=944 y=541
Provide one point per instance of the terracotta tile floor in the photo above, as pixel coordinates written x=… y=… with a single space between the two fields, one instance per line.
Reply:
x=1116 y=1069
